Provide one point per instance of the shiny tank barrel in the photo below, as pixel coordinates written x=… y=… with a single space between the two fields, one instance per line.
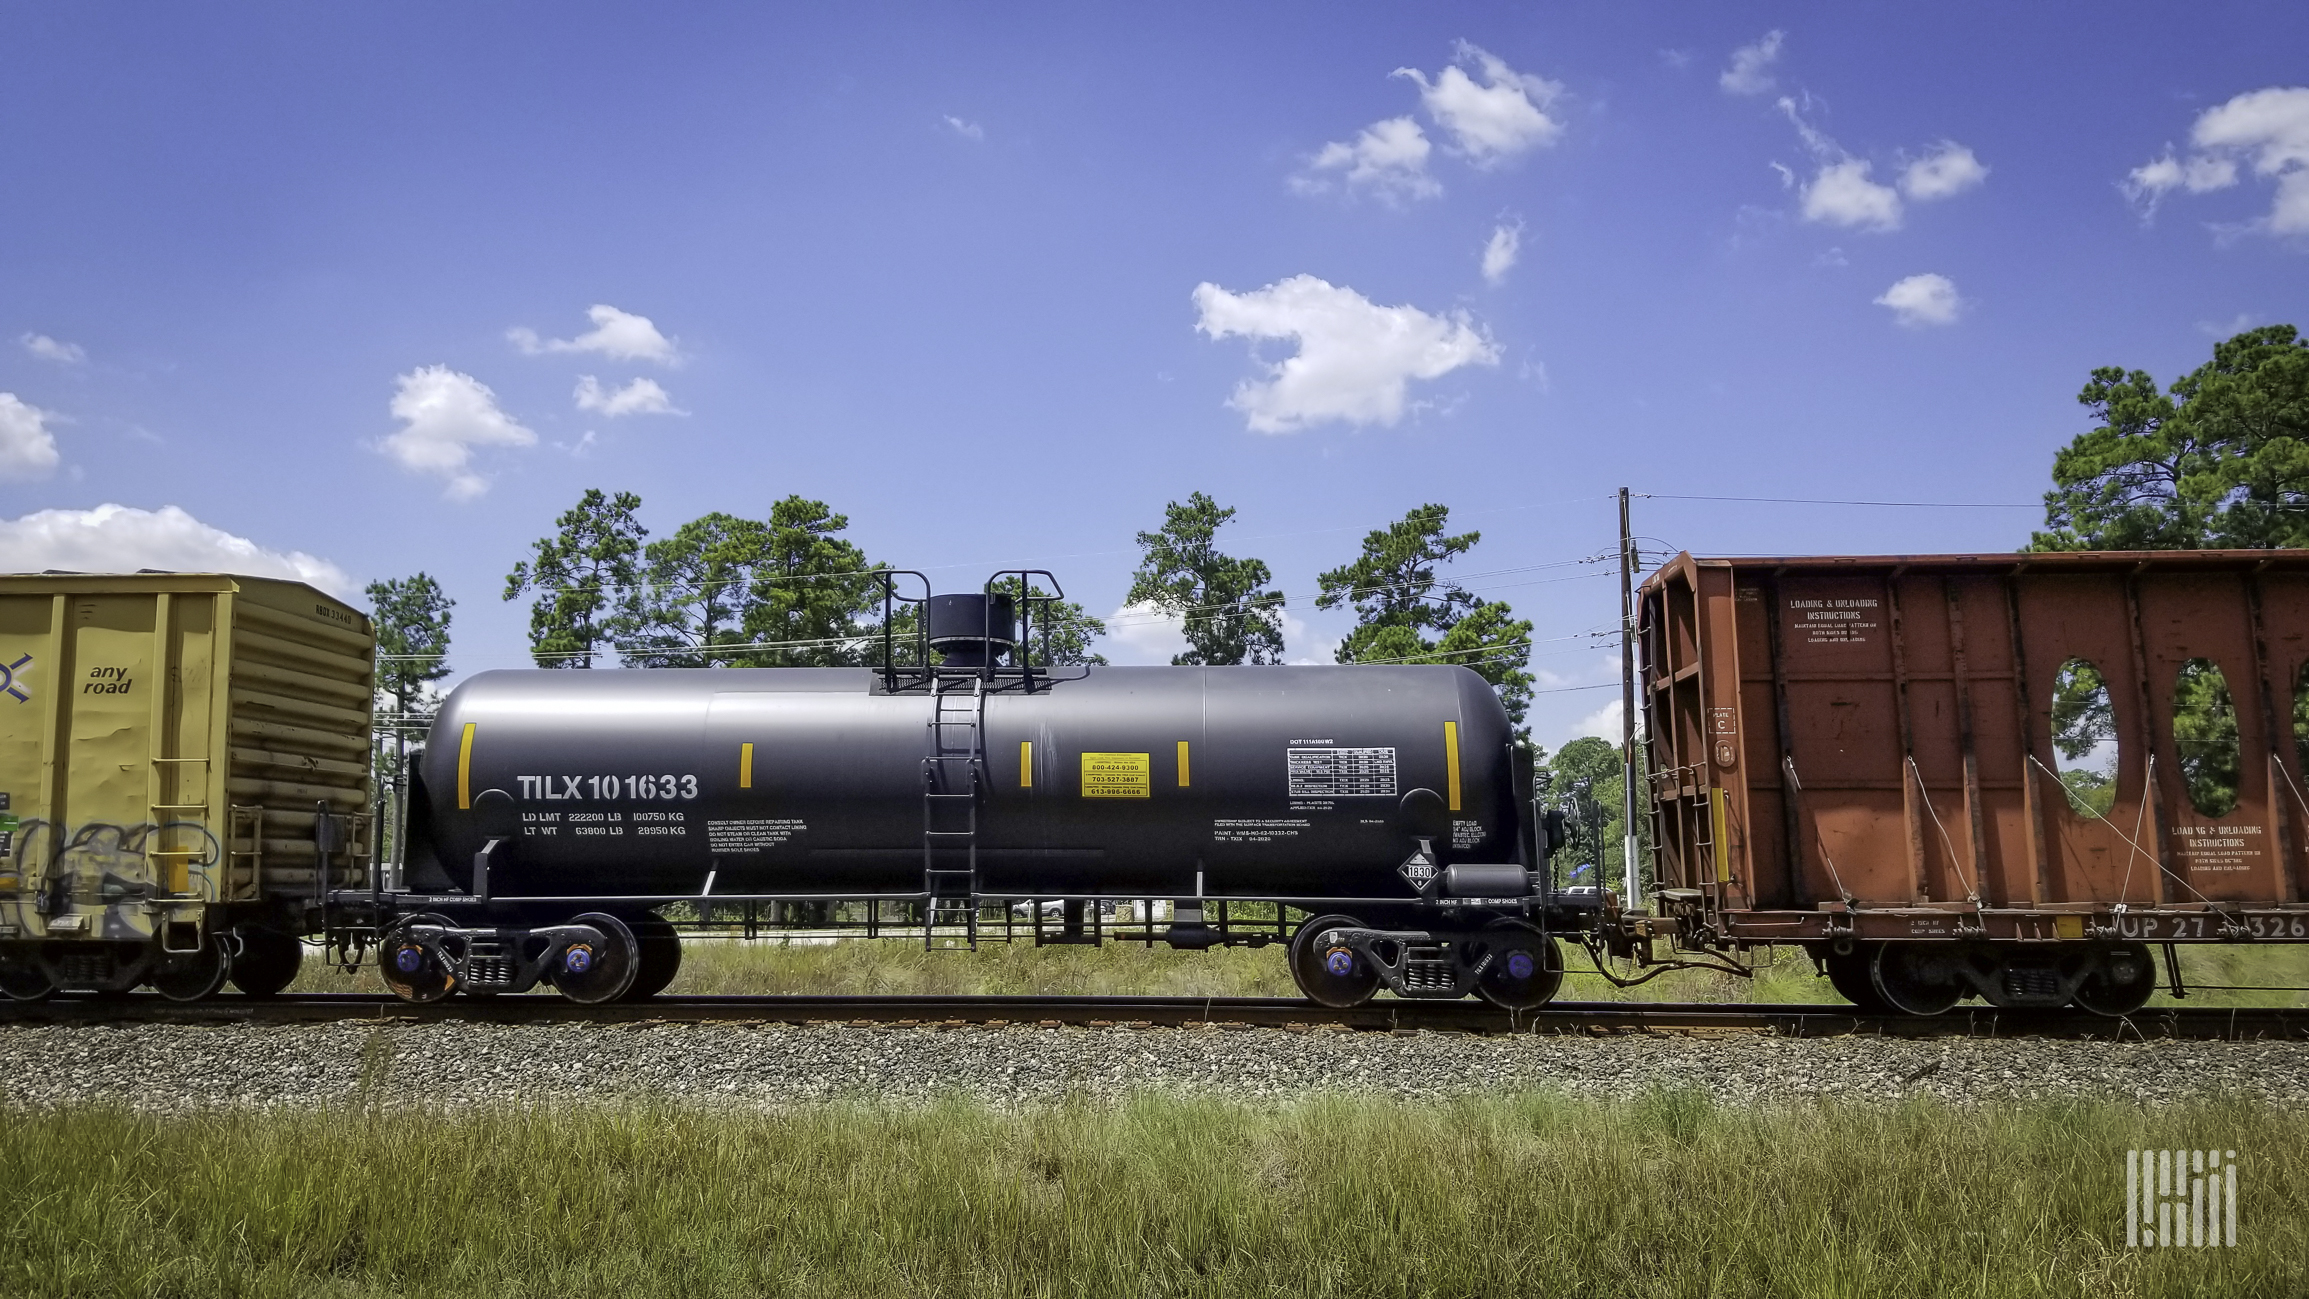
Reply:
x=1259 y=781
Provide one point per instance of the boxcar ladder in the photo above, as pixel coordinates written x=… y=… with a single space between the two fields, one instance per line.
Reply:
x=952 y=773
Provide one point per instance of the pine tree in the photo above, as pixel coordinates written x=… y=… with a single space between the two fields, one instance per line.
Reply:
x=1407 y=613
x=584 y=575
x=2219 y=460
x=688 y=609
x=811 y=592
x=1226 y=611
x=411 y=618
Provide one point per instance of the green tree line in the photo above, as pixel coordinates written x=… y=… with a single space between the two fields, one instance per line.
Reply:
x=792 y=590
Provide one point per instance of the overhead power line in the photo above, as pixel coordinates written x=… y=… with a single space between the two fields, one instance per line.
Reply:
x=1800 y=500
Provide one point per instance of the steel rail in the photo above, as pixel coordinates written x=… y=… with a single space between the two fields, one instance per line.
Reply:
x=1574 y=1017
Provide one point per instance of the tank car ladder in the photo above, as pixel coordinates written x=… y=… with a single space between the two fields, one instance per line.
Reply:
x=952 y=773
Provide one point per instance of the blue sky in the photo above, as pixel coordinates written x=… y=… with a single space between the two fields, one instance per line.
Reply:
x=998 y=282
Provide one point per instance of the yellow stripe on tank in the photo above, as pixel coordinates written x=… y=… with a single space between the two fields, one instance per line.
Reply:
x=1451 y=761
x=1026 y=764
x=1183 y=782
x=745 y=766
x=465 y=770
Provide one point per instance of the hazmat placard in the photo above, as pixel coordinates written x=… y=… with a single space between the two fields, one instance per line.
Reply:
x=1117 y=775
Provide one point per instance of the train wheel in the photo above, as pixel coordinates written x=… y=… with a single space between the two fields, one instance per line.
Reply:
x=1331 y=973
x=2125 y=981
x=1848 y=975
x=660 y=948
x=267 y=962
x=22 y=979
x=1916 y=978
x=598 y=966
x=191 y=976
x=1526 y=967
x=413 y=969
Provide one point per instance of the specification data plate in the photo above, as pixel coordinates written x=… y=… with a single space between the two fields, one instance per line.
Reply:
x=1342 y=773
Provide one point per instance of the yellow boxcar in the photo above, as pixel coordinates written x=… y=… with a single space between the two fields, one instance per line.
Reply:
x=168 y=745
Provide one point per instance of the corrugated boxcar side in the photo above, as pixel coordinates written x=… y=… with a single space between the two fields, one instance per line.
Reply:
x=134 y=732
x=300 y=714
x=1878 y=731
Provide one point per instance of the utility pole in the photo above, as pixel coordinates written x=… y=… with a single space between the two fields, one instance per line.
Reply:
x=1629 y=765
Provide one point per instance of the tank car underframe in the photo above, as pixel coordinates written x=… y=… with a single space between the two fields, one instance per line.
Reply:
x=426 y=955
x=1434 y=948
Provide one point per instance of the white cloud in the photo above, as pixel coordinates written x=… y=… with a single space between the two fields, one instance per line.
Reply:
x=618 y=335
x=1492 y=121
x=1843 y=195
x=119 y=539
x=1355 y=357
x=27 y=448
x=1388 y=159
x=444 y=416
x=1751 y=70
x=1501 y=250
x=2236 y=325
x=1142 y=633
x=1603 y=723
x=2150 y=181
x=641 y=397
x=967 y=130
x=49 y=349
x=1307 y=650
x=2269 y=128
x=2273 y=126
x=1946 y=172
x=1923 y=300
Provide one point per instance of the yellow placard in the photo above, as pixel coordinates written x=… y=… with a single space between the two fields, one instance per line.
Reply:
x=1117 y=775
x=745 y=766
x=1026 y=764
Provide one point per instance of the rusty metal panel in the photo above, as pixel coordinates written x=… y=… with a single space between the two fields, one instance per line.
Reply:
x=1691 y=682
x=2284 y=643
x=1890 y=720
x=1760 y=804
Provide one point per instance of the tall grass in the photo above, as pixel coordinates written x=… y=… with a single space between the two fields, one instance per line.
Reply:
x=1503 y=1195
x=898 y=966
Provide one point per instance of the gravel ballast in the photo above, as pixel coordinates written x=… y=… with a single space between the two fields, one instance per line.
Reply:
x=180 y=1068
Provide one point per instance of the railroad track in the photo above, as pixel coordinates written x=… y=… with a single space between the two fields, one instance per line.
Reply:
x=1378 y=1015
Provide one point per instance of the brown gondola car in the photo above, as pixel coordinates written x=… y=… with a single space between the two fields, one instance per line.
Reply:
x=1857 y=755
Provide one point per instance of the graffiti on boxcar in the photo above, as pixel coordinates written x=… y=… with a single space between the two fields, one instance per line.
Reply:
x=107 y=865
